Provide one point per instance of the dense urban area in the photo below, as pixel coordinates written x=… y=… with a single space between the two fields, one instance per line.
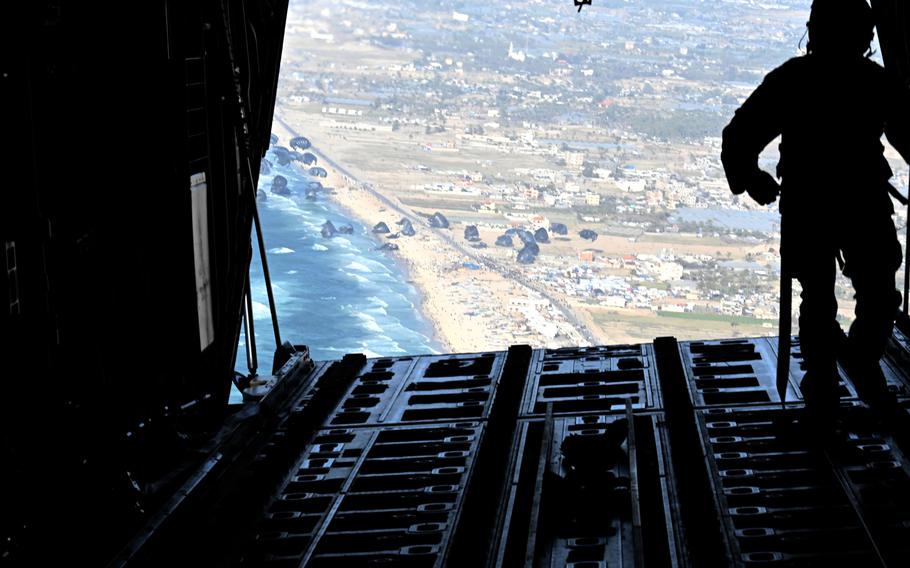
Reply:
x=558 y=171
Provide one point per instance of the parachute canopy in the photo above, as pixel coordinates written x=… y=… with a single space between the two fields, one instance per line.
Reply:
x=282 y=155
x=280 y=185
x=526 y=236
x=439 y=221
x=300 y=142
x=328 y=230
x=528 y=254
x=504 y=241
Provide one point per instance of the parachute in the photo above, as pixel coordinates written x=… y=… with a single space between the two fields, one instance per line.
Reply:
x=504 y=241
x=280 y=185
x=282 y=155
x=439 y=221
x=328 y=230
x=526 y=236
x=588 y=234
x=528 y=254
x=300 y=142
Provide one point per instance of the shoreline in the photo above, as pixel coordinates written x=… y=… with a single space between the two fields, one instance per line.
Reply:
x=404 y=264
x=438 y=339
x=404 y=267
x=471 y=306
x=406 y=270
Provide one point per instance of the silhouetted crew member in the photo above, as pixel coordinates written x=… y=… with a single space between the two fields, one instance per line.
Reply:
x=830 y=107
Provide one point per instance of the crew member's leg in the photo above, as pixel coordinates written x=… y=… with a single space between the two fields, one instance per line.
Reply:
x=819 y=332
x=872 y=260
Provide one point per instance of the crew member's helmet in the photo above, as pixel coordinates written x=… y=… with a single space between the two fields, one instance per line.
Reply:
x=844 y=27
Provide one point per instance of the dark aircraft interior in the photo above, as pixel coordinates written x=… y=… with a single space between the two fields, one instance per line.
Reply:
x=126 y=297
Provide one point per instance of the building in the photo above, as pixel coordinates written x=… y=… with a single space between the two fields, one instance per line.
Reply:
x=574 y=159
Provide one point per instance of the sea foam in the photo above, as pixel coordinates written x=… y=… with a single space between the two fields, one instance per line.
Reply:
x=357 y=277
x=368 y=322
x=281 y=250
x=367 y=285
x=378 y=301
x=261 y=311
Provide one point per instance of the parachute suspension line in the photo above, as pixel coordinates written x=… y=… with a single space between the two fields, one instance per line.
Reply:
x=907 y=265
x=249 y=330
x=265 y=265
x=245 y=146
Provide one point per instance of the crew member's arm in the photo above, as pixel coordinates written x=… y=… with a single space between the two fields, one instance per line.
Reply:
x=754 y=126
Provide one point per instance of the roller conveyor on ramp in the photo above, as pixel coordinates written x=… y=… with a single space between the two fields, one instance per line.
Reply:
x=664 y=454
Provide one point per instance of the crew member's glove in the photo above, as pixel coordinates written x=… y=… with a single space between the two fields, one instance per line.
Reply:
x=763 y=188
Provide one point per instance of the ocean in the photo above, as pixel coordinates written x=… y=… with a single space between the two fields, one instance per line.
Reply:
x=338 y=295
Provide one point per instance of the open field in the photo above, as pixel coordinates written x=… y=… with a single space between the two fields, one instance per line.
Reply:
x=628 y=326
